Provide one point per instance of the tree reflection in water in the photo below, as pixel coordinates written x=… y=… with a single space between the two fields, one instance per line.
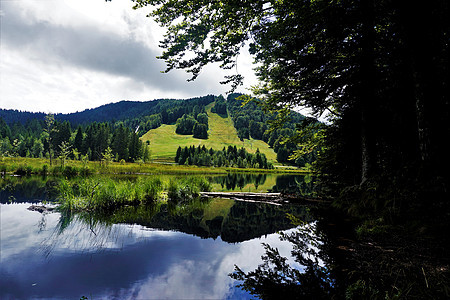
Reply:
x=276 y=278
x=239 y=180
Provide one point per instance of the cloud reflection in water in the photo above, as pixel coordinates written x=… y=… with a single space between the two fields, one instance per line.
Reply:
x=119 y=261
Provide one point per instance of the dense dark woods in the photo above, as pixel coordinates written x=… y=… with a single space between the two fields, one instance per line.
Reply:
x=381 y=67
x=378 y=69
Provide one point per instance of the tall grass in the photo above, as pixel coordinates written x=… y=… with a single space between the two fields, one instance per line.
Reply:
x=187 y=188
x=106 y=194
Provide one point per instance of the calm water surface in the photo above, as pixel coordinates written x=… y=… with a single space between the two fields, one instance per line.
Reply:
x=182 y=255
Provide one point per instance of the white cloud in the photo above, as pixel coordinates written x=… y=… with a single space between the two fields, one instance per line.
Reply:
x=66 y=56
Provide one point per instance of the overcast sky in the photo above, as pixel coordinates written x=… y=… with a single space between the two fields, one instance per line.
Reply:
x=63 y=56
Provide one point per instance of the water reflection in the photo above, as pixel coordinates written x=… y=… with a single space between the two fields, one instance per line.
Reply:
x=36 y=188
x=157 y=251
x=20 y=189
x=233 y=181
x=301 y=185
x=116 y=261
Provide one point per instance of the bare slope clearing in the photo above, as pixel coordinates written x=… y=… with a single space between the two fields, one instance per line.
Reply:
x=164 y=141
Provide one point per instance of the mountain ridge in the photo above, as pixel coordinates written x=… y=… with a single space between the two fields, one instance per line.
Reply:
x=114 y=111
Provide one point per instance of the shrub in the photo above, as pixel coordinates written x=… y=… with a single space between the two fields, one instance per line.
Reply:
x=69 y=171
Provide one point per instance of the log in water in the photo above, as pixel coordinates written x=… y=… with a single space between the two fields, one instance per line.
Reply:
x=272 y=198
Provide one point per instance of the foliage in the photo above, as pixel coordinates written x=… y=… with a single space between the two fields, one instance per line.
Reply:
x=50 y=130
x=200 y=131
x=106 y=194
x=185 y=124
x=195 y=124
x=116 y=125
x=64 y=153
x=187 y=188
x=107 y=156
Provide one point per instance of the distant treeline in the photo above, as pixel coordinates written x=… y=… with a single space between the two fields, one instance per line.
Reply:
x=227 y=157
x=95 y=141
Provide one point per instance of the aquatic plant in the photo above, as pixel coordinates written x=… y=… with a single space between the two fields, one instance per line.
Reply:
x=187 y=188
x=106 y=194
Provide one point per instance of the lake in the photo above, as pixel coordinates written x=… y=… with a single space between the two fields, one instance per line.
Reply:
x=139 y=252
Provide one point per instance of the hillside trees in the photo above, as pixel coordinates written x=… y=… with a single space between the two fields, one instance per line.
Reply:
x=164 y=111
x=22 y=140
x=195 y=123
x=200 y=131
x=251 y=121
x=120 y=138
x=220 y=107
x=361 y=61
x=185 y=124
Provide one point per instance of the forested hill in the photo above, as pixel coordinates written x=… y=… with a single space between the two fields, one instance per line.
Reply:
x=119 y=111
x=11 y=116
x=121 y=129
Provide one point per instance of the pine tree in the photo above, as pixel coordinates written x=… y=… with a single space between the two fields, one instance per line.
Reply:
x=78 y=141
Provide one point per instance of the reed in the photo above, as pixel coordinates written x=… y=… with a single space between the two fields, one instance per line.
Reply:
x=187 y=188
x=106 y=194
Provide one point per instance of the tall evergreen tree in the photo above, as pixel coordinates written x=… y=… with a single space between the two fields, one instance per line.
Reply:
x=120 y=142
x=78 y=141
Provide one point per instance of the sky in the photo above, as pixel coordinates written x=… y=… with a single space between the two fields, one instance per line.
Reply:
x=63 y=56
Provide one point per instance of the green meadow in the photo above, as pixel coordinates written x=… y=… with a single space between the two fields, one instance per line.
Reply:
x=164 y=142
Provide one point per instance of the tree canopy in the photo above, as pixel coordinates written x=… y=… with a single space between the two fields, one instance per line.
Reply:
x=379 y=68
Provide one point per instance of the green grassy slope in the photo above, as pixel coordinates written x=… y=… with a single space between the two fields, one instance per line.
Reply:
x=164 y=141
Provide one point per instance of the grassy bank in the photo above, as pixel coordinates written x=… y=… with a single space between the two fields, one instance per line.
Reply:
x=28 y=166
